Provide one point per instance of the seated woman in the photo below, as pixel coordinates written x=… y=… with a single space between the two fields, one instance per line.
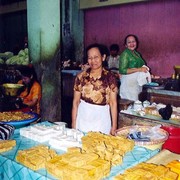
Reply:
x=32 y=94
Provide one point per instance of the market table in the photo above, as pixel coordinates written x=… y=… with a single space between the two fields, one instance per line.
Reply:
x=11 y=169
x=129 y=117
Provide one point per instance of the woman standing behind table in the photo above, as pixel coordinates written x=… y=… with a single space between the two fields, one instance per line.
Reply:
x=130 y=64
x=31 y=95
x=95 y=95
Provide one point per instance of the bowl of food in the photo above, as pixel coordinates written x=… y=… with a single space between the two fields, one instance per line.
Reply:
x=18 y=119
x=10 y=89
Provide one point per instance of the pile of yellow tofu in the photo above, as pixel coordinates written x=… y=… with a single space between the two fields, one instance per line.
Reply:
x=94 y=160
x=146 y=171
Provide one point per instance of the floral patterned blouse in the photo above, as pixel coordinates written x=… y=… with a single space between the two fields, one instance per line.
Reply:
x=96 y=91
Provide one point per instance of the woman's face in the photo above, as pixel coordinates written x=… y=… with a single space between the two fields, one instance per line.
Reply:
x=95 y=58
x=131 y=43
x=26 y=80
x=114 y=53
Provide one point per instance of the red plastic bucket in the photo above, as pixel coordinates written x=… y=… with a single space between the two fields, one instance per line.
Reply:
x=173 y=141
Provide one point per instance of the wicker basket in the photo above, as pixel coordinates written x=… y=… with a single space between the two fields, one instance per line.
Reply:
x=152 y=144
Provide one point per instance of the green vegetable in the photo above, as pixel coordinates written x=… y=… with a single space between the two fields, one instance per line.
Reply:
x=1 y=61
x=21 y=59
x=21 y=53
x=26 y=51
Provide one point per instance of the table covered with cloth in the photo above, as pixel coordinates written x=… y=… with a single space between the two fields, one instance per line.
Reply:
x=10 y=169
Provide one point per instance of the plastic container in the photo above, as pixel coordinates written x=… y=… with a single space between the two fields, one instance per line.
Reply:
x=146 y=103
x=153 y=144
x=137 y=105
x=173 y=141
x=177 y=69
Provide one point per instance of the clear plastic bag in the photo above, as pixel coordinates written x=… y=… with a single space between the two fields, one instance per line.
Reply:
x=136 y=133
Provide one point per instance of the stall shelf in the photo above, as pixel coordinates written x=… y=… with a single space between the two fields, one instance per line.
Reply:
x=129 y=117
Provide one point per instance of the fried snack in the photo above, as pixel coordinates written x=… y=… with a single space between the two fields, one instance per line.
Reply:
x=93 y=161
x=78 y=166
x=152 y=111
x=73 y=149
x=98 y=168
x=175 y=167
x=79 y=159
x=6 y=145
x=146 y=171
x=35 y=157
x=175 y=116
x=14 y=116
x=108 y=147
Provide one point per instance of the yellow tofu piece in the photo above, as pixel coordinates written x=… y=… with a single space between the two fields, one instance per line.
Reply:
x=171 y=175
x=73 y=149
x=36 y=157
x=6 y=145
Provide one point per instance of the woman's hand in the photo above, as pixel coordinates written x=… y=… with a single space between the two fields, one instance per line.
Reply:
x=75 y=105
x=113 y=110
x=31 y=103
x=113 y=131
x=143 y=69
x=73 y=124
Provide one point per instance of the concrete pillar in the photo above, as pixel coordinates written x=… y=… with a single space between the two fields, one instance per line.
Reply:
x=44 y=47
x=43 y=28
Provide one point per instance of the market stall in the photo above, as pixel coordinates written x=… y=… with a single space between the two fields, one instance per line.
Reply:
x=150 y=113
x=10 y=75
x=11 y=169
x=128 y=118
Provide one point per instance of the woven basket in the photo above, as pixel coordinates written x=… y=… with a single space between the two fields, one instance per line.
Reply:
x=153 y=144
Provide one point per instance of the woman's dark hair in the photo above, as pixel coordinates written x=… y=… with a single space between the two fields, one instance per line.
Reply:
x=135 y=37
x=28 y=71
x=102 y=49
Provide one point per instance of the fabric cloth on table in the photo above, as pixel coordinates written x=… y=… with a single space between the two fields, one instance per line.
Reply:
x=6 y=131
x=10 y=169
